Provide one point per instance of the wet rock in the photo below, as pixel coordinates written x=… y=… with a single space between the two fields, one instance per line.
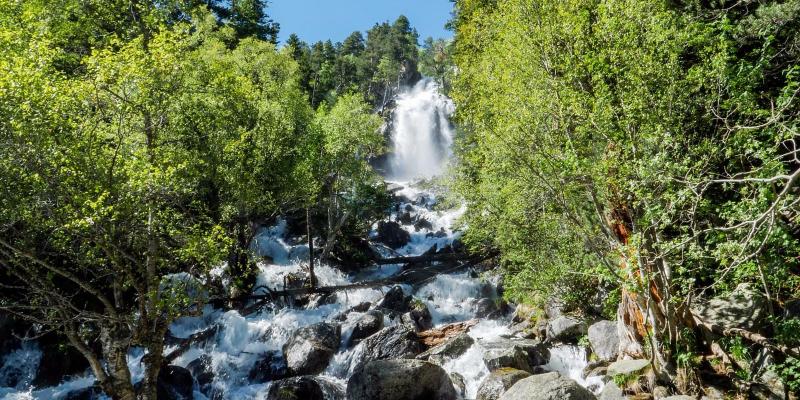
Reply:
x=485 y=307
x=611 y=392
x=88 y=393
x=743 y=308
x=367 y=324
x=502 y=355
x=566 y=329
x=422 y=223
x=393 y=188
x=409 y=208
x=498 y=382
x=419 y=316
x=400 y=380
x=203 y=372
x=396 y=341
x=311 y=348
x=604 y=339
x=628 y=367
x=459 y=384
x=550 y=386
x=304 y=388
x=392 y=234
x=677 y=397
x=406 y=218
x=441 y=233
x=271 y=366
x=452 y=348
x=395 y=300
x=175 y=383
x=536 y=353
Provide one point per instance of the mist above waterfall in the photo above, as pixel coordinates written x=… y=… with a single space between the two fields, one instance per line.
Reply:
x=422 y=134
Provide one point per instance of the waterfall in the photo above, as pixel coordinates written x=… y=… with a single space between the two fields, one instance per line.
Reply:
x=422 y=133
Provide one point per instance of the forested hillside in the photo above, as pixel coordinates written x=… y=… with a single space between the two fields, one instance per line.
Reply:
x=647 y=148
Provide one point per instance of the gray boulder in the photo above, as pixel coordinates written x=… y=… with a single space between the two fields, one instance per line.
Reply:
x=311 y=348
x=271 y=366
x=305 y=388
x=400 y=380
x=745 y=308
x=523 y=354
x=498 y=382
x=549 y=386
x=452 y=348
x=395 y=300
x=419 y=317
x=566 y=329
x=366 y=325
x=506 y=356
x=604 y=339
x=628 y=367
x=398 y=341
x=612 y=392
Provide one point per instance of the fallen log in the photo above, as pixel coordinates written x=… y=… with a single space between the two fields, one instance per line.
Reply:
x=437 y=336
x=424 y=258
x=414 y=276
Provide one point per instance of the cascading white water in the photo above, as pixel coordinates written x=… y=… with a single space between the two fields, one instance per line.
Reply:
x=422 y=133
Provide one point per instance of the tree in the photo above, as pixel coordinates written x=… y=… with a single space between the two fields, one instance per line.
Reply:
x=141 y=182
x=623 y=143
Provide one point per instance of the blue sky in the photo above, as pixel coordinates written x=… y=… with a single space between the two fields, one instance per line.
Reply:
x=315 y=20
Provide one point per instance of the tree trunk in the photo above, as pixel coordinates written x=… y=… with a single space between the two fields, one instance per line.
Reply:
x=312 y=276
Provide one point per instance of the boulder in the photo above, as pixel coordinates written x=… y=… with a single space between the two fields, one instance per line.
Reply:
x=566 y=329
x=398 y=341
x=400 y=380
x=677 y=397
x=271 y=366
x=367 y=324
x=604 y=340
x=744 y=308
x=395 y=300
x=498 y=382
x=175 y=383
x=422 y=223
x=311 y=348
x=459 y=384
x=452 y=348
x=486 y=308
x=611 y=392
x=304 y=388
x=202 y=370
x=769 y=386
x=501 y=355
x=628 y=367
x=419 y=317
x=549 y=386
x=392 y=234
